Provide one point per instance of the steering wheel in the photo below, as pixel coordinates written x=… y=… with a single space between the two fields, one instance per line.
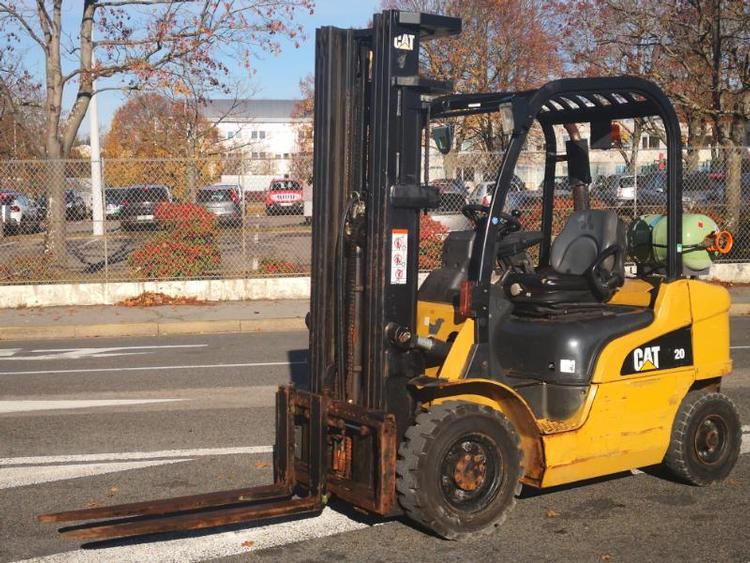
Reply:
x=473 y=212
x=605 y=283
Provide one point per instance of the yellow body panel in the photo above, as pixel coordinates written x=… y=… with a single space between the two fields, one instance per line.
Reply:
x=635 y=292
x=441 y=321
x=625 y=421
x=671 y=311
x=628 y=426
x=710 y=305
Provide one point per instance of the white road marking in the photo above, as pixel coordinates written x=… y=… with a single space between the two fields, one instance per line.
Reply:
x=226 y=544
x=33 y=475
x=745 y=447
x=26 y=406
x=127 y=456
x=329 y=523
x=5 y=352
x=739 y=347
x=151 y=368
x=84 y=353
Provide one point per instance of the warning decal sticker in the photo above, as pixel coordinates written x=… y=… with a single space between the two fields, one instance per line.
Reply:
x=399 y=249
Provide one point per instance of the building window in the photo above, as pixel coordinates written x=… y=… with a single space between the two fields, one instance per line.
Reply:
x=286 y=155
x=230 y=135
x=650 y=142
x=261 y=134
x=253 y=134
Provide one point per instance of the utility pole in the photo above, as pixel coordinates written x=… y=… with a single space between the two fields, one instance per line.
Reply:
x=97 y=197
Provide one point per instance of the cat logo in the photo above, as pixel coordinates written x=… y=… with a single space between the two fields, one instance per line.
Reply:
x=405 y=42
x=646 y=358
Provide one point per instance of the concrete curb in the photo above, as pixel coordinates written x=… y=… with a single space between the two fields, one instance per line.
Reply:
x=185 y=327
x=150 y=329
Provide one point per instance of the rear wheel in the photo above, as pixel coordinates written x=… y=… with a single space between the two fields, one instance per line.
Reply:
x=458 y=469
x=706 y=439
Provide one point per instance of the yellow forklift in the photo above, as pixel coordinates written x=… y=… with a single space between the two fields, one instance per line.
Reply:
x=440 y=401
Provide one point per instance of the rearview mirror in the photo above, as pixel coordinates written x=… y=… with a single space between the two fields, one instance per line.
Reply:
x=443 y=137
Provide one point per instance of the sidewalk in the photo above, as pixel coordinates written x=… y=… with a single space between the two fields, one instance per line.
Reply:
x=233 y=316
x=113 y=320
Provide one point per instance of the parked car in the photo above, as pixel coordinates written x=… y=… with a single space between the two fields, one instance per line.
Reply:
x=18 y=213
x=75 y=206
x=113 y=202
x=223 y=201
x=139 y=204
x=518 y=196
x=699 y=189
x=453 y=195
x=284 y=196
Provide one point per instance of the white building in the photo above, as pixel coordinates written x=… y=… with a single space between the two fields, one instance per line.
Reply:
x=265 y=131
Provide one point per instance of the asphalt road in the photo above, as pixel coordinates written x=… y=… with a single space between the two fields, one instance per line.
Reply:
x=96 y=422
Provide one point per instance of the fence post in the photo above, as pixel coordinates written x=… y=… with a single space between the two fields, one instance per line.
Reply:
x=104 y=233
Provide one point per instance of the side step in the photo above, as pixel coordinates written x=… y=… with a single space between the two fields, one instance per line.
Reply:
x=185 y=513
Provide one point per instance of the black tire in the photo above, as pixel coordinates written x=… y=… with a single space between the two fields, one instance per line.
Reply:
x=444 y=493
x=706 y=439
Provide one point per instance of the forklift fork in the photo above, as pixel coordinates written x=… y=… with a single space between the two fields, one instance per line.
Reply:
x=317 y=440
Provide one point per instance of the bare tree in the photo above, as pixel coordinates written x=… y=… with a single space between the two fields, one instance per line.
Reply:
x=704 y=52
x=138 y=43
x=20 y=109
x=504 y=45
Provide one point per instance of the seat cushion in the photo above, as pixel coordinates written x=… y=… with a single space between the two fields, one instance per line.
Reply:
x=548 y=287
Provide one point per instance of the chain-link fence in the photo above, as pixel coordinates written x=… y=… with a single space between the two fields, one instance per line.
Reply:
x=240 y=217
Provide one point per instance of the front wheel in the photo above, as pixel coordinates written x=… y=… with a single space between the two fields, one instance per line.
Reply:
x=458 y=469
x=706 y=439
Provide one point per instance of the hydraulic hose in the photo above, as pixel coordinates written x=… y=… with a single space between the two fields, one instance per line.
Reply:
x=340 y=290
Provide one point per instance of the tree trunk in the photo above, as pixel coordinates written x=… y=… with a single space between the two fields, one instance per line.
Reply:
x=692 y=156
x=450 y=160
x=54 y=242
x=730 y=141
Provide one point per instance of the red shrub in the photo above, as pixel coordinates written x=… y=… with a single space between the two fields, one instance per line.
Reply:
x=431 y=237
x=185 y=248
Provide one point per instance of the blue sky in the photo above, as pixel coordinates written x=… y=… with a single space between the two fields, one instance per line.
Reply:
x=275 y=76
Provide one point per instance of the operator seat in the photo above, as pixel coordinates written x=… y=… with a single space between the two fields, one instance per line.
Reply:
x=586 y=264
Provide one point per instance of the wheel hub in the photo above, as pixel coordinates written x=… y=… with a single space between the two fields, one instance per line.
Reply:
x=471 y=473
x=711 y=439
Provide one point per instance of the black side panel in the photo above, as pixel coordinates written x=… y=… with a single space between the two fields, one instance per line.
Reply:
x=564 y=349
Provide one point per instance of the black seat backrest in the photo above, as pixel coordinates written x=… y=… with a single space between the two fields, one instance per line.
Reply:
x=587 y=234
x=443 y=284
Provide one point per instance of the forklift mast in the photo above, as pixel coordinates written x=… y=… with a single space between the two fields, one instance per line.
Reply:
x=369 y=118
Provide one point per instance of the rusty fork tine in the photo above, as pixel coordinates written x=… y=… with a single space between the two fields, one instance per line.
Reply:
x=177 y=504
x=196 y=521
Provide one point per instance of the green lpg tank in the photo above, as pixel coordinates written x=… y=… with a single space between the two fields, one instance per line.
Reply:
x=695 y=229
